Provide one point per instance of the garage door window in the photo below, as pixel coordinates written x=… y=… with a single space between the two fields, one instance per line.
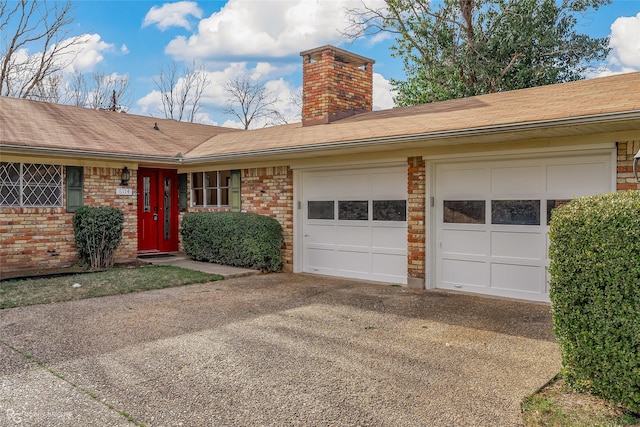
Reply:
x=353 y=210
x=320 y=209
x=552 y=205
x=515 y=212
x=464 y=211
x=389 y=210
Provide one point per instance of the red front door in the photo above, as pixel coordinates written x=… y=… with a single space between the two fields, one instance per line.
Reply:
x=157 y=210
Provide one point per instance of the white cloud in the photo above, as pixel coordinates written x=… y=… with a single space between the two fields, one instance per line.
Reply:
x=383 y=93
x=215 y=97
x=264 y=29
x=172 y=15
x=625 y=42
x=124 y=49
x=150 y=103
x=87 y=53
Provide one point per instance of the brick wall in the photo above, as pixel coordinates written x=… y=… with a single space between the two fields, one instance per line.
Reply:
x=269 y=191
x=35 y=238
x=43 y=237
x=100 y=190
x=333 y=88
x=625 y=179
x=416 y=236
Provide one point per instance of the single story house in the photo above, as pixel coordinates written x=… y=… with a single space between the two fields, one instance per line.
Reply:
x=453 y=195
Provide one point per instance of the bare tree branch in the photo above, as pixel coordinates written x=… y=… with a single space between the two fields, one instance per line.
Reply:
x=250 y=100
x=181 y=94
x=34 y=26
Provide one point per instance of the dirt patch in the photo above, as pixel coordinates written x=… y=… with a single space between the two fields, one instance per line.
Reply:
x=62 y=271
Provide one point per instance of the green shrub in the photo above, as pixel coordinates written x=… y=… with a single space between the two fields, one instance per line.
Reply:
x=595 y=294
x=233 y=238
x=98 y=232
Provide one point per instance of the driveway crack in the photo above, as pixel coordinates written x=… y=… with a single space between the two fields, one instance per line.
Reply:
x=77 y=387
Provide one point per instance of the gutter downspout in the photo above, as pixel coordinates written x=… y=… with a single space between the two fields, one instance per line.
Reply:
x=636 y=159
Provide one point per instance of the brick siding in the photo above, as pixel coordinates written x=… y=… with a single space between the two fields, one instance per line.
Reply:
x=416 y=232
x=35 y=237
x=333 y=89
x=625 y=179
x=269 y=191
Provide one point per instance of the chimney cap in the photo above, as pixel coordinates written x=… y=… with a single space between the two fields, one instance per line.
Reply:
x=345 y=56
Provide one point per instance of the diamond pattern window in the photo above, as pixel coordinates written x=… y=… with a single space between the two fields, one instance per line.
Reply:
x=30 y=184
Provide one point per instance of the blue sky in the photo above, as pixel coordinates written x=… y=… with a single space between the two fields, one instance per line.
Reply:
x=264 y=39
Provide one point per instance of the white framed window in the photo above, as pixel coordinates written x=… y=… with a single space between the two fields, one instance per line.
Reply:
x=210 y=189
x=30 y=185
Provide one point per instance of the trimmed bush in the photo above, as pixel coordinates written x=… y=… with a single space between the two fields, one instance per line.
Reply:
x=233 y=238
x=595 y=294
x=98 y=233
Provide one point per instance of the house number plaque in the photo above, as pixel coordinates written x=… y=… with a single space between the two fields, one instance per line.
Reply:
x=124 y=191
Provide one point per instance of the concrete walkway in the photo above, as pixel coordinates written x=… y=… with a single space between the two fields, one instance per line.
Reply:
x=274 y=350
x=182 y=260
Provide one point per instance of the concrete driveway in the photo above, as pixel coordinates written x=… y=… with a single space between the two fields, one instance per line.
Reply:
x=274 y=350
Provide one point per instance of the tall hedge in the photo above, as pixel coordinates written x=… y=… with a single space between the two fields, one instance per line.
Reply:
x=233 y=238
x=98 y=233
x=595 y=294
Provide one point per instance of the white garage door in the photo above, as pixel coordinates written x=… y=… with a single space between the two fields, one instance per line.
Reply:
x=492 y=220
x=354 y=223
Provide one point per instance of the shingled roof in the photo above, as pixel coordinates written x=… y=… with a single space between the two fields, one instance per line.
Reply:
x=34 y=124
x=588 y=106
x=597 y=103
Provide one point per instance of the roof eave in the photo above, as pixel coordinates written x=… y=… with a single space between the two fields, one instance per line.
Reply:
x=342 y=144
x=427 y=136
x=65 y=152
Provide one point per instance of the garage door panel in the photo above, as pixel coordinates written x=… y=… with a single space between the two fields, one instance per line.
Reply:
x=505 y=252
x=320 y=234
x=464 y=272
x=588 y=178
x=352 y=186
x=349 y=235
x=388 y=183
x=357 y=238
x=519 y=278
x=389 y=237
x=517 y=245
x=517 y=180
x=465 y=242
x=321 y=258
x=354 y=261
x=393 y=266
x=467 y=181
x=322 y=186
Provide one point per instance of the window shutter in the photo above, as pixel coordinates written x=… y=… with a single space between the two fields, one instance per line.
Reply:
x=234 y=190
x=182 y=192
x=75 y=188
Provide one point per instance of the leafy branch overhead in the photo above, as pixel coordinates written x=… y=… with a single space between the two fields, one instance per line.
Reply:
x=460 y=48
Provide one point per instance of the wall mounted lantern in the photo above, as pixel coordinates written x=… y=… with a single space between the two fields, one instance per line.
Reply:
x=126 y=175
x=636 y=159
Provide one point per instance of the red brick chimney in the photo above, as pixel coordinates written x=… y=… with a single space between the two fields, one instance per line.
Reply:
x=335 y=84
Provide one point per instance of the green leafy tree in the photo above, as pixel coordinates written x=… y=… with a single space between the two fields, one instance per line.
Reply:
x=459 y=48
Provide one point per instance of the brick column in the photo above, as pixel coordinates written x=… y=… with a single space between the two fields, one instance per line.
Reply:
x=416 y=237
x=624 y=177
x=269 y=191
x=100 y=185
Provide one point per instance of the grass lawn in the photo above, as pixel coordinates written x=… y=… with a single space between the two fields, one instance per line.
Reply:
x=556 y=405
x=23 y=292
